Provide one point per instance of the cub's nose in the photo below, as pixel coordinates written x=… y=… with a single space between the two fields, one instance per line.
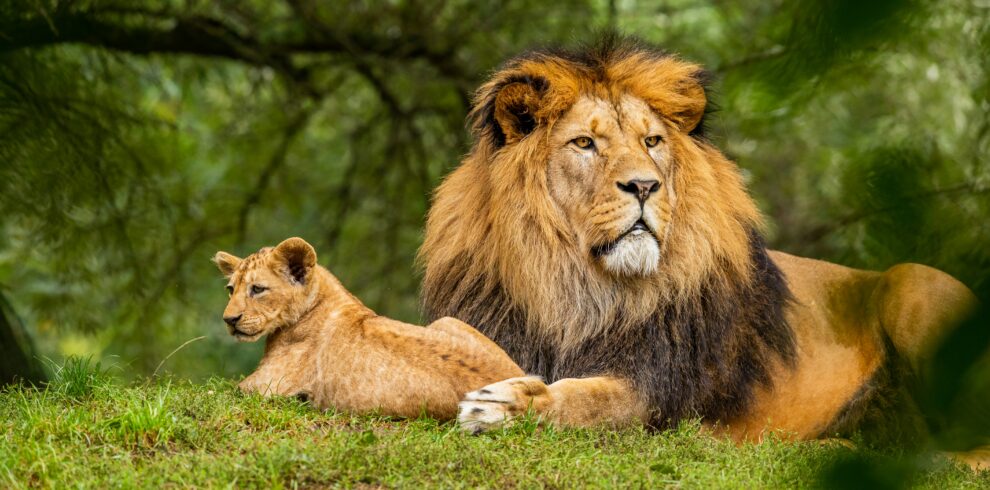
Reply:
x=640 y=188
x=232 y=320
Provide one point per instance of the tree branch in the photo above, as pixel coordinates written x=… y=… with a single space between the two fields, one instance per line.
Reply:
x=296 y=126
x=205 y=36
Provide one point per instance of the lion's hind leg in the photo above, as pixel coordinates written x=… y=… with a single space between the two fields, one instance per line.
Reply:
x=918 y=308
x=918 y=305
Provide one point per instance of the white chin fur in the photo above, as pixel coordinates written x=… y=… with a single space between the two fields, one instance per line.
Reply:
x=634 y=255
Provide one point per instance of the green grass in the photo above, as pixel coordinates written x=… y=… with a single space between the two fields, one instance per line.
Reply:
x=86 y=430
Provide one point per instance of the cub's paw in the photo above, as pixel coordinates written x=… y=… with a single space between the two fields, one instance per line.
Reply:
x=500 y=402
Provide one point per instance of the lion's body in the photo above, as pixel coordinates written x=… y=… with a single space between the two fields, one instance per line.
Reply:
x=537 y=239
x=850 y=326
x=336 y=352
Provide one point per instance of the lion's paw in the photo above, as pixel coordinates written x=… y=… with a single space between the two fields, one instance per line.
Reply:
x=500 y=402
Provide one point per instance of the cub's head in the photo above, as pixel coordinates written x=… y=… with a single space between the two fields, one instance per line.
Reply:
x=269 y=289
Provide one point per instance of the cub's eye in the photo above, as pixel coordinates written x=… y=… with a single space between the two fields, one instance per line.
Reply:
x=256 y=290
x=652 y=141
x=583 y=142
x=230 y=290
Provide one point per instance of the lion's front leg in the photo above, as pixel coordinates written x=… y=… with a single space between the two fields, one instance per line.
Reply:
x=500 y=402
x=572 y=402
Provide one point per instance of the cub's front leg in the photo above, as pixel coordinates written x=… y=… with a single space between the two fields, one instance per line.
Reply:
x=572 y=402
x=263 y=382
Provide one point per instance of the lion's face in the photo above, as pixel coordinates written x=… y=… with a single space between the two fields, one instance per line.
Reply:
x=268 y=289
x=609 y=173
x=590 y=200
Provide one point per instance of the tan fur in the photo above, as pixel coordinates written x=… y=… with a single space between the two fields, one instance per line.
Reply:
x=326 y=346
x=585 y=402
x=528 y=209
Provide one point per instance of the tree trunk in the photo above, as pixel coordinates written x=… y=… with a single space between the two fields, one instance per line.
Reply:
x=17 y=358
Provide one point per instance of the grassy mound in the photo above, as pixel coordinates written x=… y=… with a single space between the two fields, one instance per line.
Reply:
x=84 y=429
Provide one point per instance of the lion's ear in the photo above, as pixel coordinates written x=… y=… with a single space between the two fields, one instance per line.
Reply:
x=226 y=263
x=515 y=110
x=298 y=256
x=673 y=88
x=507 y=108
x=691 y=102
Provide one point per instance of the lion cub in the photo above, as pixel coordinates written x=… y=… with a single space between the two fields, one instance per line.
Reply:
x=324 y=345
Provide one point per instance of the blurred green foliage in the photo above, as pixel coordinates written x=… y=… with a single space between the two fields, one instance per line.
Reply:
x=136 y=139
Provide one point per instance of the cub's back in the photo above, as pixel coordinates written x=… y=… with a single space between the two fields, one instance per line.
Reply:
x=412 y=369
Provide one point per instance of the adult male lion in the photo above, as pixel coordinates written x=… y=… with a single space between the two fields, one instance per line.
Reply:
x=596 y=236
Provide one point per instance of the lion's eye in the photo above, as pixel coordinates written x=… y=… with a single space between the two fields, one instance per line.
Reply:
x=230 y=290
x=256 y=290
x=652 y=141
x=583 y=142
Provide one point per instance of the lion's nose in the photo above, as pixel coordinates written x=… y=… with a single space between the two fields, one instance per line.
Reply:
x=640 y=188
x=232 y=320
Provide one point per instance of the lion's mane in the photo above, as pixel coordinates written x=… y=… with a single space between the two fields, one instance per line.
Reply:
x=696 y=337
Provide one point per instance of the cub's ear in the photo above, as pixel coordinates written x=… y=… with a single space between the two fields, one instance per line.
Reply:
x=298 y=256
x=226 y=263
x=506 y=109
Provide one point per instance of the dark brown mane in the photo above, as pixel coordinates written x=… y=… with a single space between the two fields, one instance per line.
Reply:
x=698 y=359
